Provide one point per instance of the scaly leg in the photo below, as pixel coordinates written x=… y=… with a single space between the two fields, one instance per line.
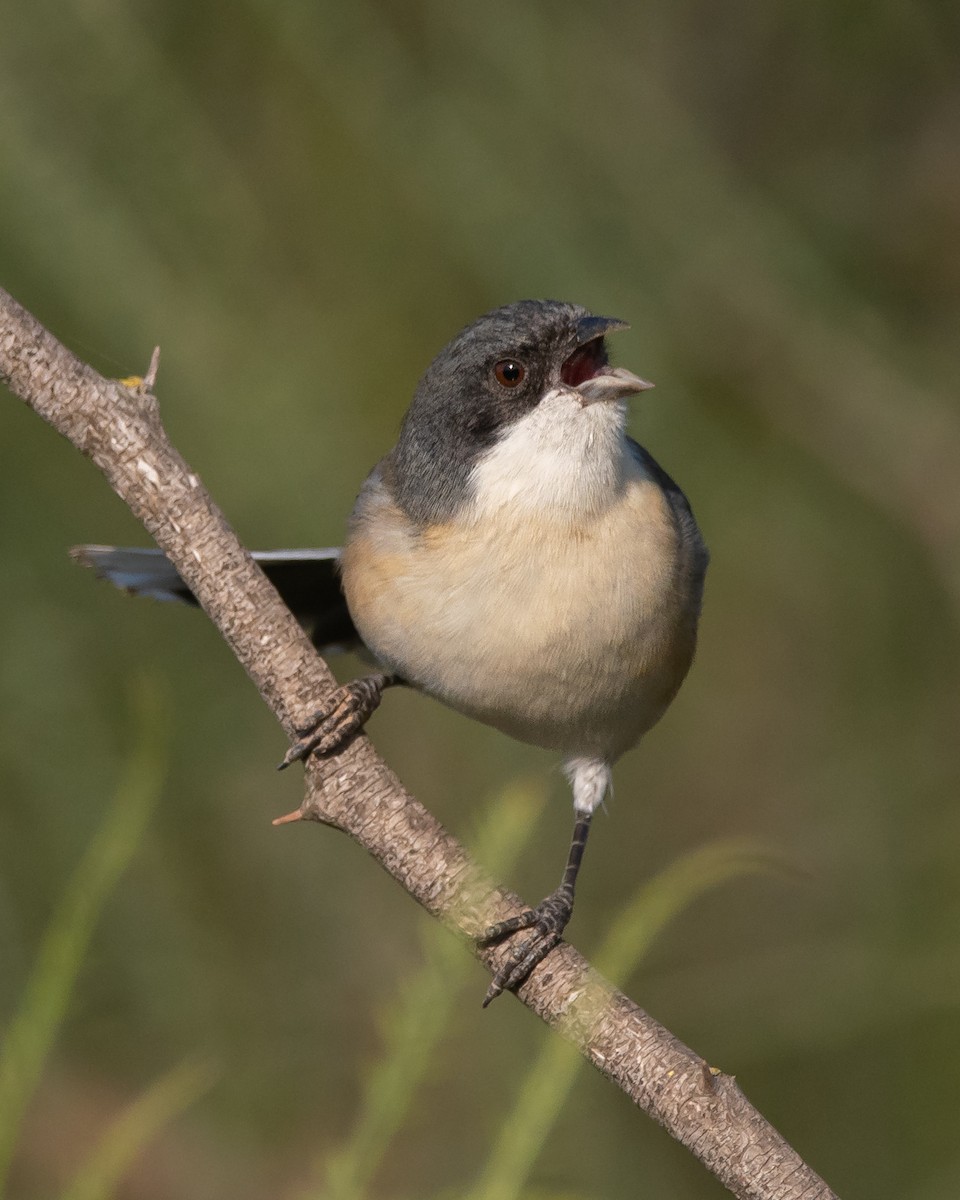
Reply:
x=590 y=778
x=548 y=921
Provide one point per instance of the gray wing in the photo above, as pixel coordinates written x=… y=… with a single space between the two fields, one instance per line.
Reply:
x=307 y=580
x=687 y=527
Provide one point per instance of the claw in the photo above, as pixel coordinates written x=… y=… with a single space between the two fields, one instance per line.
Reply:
x=548 y=921
x=345 y=713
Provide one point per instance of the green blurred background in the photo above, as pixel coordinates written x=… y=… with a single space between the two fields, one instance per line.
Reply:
x=301 y=202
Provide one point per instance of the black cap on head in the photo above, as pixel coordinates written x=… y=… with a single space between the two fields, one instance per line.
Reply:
x=491 y=374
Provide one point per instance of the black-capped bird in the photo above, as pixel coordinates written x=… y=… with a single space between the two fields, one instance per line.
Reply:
x=516 y=556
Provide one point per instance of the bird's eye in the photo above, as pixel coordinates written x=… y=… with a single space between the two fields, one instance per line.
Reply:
x=509 y=372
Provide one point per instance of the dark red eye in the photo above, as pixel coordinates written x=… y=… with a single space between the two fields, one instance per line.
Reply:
x=509 y=372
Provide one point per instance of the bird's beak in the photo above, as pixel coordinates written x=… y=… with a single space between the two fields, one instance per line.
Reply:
x=613 y=383
x=604 y=382
x=592 y=327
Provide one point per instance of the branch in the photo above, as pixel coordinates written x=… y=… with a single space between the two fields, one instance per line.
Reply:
x=118 y=426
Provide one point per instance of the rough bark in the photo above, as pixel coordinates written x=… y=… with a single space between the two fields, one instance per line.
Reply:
x=118 y=426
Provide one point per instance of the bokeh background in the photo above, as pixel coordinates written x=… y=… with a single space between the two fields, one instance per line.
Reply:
x=301 y=202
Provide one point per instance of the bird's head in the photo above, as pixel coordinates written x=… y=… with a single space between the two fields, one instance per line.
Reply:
x=527 y=380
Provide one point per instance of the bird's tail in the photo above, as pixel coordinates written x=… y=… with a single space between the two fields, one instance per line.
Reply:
x=307 y=580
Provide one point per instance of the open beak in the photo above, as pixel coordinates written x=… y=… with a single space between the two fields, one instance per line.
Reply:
x=613 y=383
x=587 y=371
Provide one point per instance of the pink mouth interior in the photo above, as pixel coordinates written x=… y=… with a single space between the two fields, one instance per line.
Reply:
x=587 y=362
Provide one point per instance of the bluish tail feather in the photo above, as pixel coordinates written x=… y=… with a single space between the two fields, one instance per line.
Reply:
x=307 y=580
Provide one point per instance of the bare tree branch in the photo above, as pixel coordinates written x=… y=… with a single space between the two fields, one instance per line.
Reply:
x=117 y=425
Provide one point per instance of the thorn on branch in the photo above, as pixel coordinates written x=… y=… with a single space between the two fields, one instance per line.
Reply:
x=708 y=1076
x=151 y=376
x=288 y=818
x=144 y=383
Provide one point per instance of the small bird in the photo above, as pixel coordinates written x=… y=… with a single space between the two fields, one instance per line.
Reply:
x=516 y=556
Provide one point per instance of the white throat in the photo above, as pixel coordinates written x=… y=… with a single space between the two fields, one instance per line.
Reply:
x=562 y=460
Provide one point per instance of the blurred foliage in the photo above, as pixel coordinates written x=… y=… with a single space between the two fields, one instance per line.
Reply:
x=546 y=1087
x=416 y=1018
x=64 y=947
x=101 y=1174
x=301 y=203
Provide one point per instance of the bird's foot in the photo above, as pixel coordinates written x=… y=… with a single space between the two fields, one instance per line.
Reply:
x=345 y=712
x=547 y=921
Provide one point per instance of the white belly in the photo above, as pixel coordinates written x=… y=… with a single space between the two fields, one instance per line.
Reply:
x=570 y=635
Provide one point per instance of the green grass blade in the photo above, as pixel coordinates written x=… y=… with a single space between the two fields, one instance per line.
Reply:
x=542 y=1195
x=420 y=1015
x=657 y=902
x=547 y=1085
x=136 y=1126
x=35 y=1024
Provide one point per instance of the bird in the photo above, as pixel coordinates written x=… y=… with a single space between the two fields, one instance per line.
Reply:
x=516 y=556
